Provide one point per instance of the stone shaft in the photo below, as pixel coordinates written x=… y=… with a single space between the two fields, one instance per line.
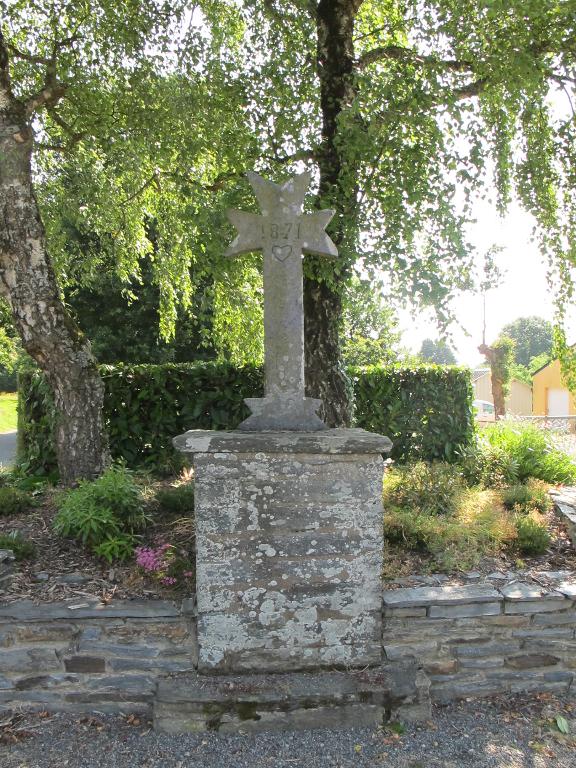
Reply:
x=283 y=321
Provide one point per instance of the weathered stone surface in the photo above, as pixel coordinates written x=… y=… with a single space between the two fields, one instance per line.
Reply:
x=470 y=609
x=282 y=232
x=29 y=660
x=415 y=650
x=469 y=593
x=291 y=701
x=530 y=660
x=536 y=606
x=553 y=619
x=329 y=441
x=289 y=555
x=91 y=664
x=567 y=588
x=26 y=610
x=514 y=592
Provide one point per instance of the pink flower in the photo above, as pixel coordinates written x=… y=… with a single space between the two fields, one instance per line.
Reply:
x=169 y=581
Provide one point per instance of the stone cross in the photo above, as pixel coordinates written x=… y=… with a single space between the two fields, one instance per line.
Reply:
x=282 y=233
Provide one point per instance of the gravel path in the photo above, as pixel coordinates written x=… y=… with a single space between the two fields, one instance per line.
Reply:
x=503 y=732
x=8 y=442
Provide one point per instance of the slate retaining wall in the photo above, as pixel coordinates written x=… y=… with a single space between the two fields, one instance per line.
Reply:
x=471 y=640
x=83 y=657
x=476 y=640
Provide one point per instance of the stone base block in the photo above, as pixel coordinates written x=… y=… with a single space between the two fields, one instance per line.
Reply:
x=289 y=538
x=292 y=701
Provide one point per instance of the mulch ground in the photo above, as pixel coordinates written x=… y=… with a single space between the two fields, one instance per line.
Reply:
x=64 y=570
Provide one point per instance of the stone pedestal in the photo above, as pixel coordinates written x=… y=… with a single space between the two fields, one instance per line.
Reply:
x=289 y=548
x=6 y=569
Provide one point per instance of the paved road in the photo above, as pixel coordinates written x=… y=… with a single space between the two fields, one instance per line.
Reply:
x=7 y=448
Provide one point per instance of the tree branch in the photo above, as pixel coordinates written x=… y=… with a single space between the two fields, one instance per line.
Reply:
x=398 y=53
x=18 y=54
x=47 y=97
x=470 y=90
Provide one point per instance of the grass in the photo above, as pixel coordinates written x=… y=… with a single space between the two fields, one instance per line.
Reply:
x=8 y=417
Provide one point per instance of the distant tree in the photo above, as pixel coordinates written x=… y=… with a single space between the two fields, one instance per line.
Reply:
x=500 y=356
x=532 y=335
x=437 y=352
x=370 y=334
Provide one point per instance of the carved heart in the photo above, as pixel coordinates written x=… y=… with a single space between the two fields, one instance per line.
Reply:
x=281 y=252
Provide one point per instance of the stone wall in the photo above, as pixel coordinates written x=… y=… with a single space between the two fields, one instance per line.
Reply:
x=83 y=657
x=472 y=640
x=476 y=640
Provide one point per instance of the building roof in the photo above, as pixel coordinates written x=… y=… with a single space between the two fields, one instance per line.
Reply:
x=478 y=373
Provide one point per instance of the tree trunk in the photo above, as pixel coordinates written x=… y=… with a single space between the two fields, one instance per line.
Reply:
x=28 y=283
x=325 y=377
x=498 y=393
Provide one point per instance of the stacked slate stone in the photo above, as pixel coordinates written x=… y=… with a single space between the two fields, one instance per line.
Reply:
x=6 y=569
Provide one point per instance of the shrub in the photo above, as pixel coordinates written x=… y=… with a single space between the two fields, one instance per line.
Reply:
x=479 y=526
x=13 y=501
x=23 y=549
x=532 y=495
x=425 y=410
x=105 y=509
x=430 y=489
x=532 y=451
x=176 y=500
x=532 y=534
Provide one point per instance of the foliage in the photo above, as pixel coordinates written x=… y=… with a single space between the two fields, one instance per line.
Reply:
x=145 y=407
x=176 y=500
x=532 y=336
x=501 y=361
x=532 y=451
x=370 y=333
x=21 y=547
x=119 y=546
x=437 y=352
x=426 y=410
x=487 y=465
x=425 y=488
x=532 y=534
x=13 y=501
x=171 y=566
x=532 y=495
x=103 y=514
x=477 y=527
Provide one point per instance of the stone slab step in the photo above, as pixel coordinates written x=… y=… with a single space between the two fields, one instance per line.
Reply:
x=291 y=701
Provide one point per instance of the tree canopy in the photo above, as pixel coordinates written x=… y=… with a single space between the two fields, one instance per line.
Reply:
x=146 y=114
x=437 y=352
x=532 y=336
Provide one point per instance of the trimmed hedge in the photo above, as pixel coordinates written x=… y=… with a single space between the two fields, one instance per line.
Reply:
x=425 y=410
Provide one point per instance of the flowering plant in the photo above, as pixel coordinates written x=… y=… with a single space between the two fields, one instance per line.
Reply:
x=167 y=564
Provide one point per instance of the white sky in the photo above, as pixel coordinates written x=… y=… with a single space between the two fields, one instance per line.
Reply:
x=522 y=290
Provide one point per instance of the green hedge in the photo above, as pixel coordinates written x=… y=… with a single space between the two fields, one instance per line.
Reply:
x=425 y=410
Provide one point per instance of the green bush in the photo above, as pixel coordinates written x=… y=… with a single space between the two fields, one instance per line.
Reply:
x=531 y=450
x=176 y=500
x=97 y=512
x=429 y=489
x=477 y=527
x=532 y=495
x=487 y=465
x=532 y=534
x=13 y=501
x=425 y=410
x=23 y=549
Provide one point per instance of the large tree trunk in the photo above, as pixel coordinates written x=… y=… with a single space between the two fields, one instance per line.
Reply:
x=325 y=377
x=28 y=283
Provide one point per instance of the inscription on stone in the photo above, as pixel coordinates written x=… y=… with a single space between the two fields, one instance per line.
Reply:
x=282 y=232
